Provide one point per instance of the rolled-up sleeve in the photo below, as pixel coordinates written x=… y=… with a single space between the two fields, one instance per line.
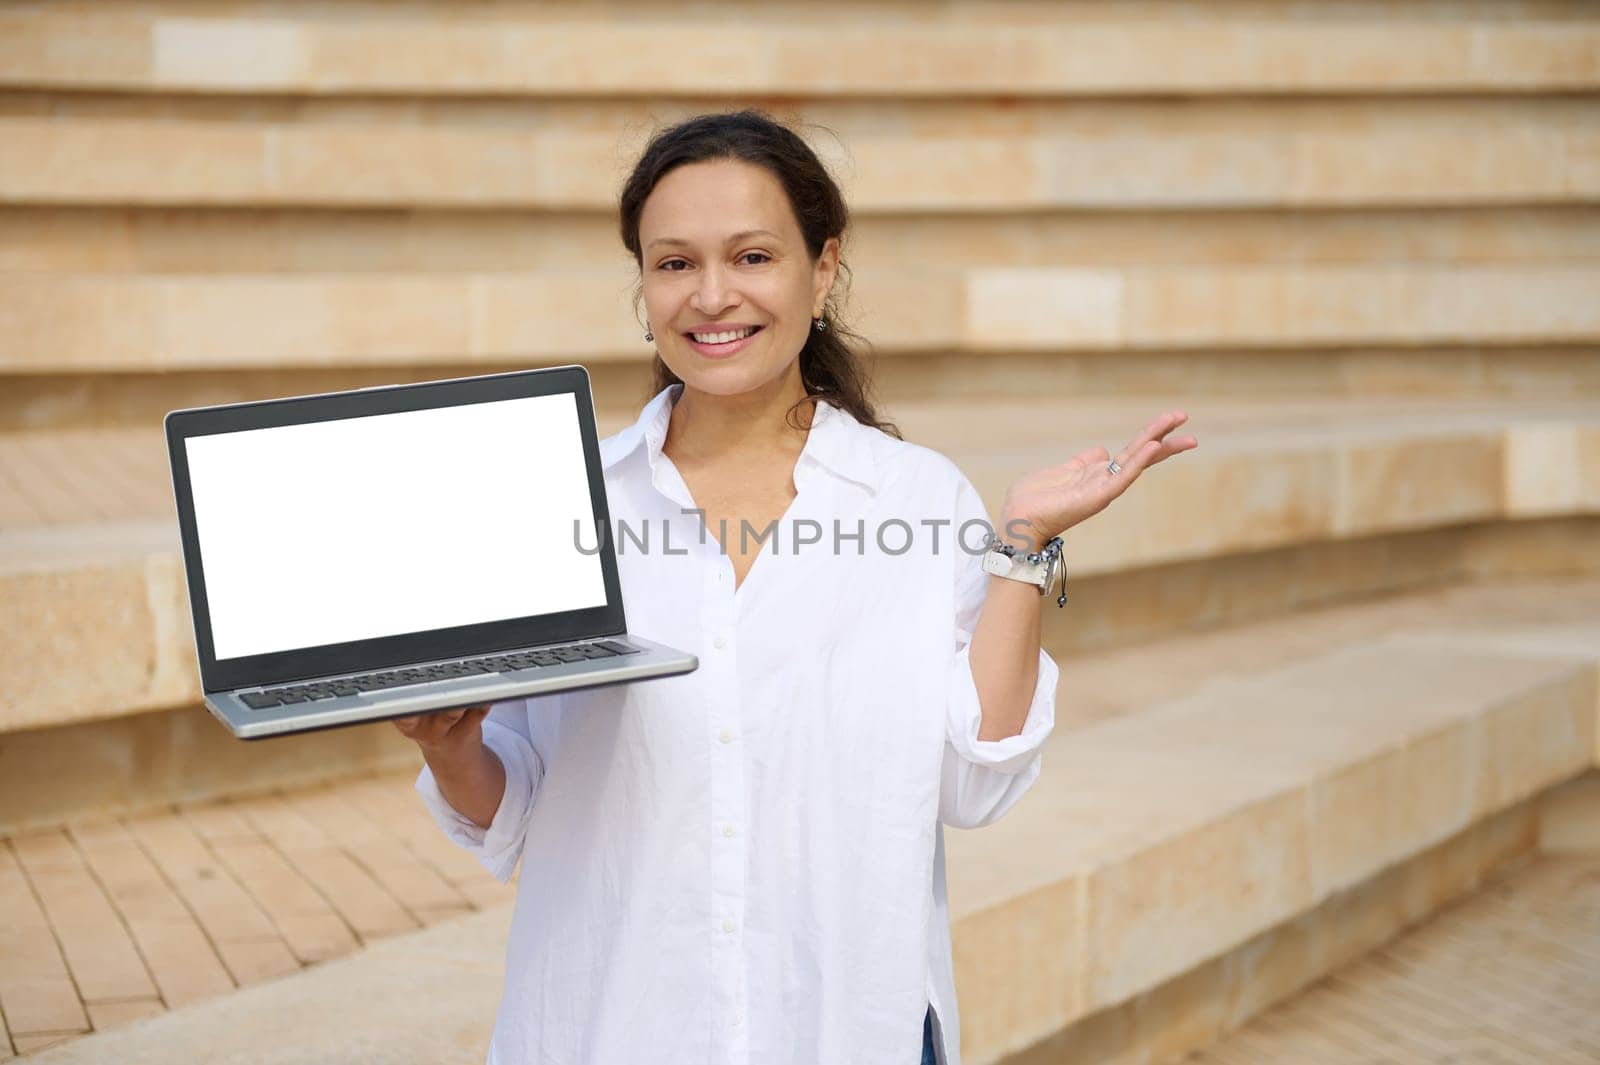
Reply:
x=982 y=779
x=498 y=847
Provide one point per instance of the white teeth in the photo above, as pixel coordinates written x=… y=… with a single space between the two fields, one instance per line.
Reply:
x=723 y=338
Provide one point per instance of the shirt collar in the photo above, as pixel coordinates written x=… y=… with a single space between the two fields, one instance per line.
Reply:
x=837 y=442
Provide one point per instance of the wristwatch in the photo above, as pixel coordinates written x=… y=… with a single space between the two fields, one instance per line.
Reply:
x=1039 y=568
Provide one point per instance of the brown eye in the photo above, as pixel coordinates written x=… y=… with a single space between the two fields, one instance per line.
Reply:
x=759 y=256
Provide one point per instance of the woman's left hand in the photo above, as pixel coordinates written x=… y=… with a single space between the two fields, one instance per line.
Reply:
x=1056 y=498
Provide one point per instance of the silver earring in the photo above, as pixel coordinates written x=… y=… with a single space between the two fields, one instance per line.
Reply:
x=821 y=324
x=649 y=337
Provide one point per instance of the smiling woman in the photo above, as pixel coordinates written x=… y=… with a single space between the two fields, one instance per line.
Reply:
x=736 y=226
x=745 y=864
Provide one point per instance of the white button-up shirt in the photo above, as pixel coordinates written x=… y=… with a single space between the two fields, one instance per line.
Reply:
x=745 y=864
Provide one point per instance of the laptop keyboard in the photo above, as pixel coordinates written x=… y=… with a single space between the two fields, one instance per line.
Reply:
x=403 y=678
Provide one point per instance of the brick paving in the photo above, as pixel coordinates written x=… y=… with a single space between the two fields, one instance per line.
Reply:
x=1509 y=976
x=113 y=920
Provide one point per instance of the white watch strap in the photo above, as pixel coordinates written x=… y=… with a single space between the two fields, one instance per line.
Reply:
x=1016 y=568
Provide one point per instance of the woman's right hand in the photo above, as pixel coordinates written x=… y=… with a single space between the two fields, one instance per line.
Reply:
x=445 y=734
x=469 y=774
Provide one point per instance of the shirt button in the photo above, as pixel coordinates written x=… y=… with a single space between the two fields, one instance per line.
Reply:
x=726 y=736
x=738 y=1019
x=727 y=924
x=720 y=642
x=727 y=830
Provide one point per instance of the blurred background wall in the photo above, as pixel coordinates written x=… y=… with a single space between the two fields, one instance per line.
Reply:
x=1358 y=242
x=1237 y=206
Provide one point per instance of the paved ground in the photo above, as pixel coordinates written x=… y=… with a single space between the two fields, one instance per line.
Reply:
x=428 y=998
x=111 y=921
x=1510 y=976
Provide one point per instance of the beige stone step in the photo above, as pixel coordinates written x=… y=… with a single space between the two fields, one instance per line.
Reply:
x=1506 y=976
x=91 y=574
x=1133 y=155
x=1298 y=767
x=231 y=241
x=1501 y=459
x=948 y=50
x=85 y=323
x=1331 y=470
x=1159 y=841
x=1515 y=374
x=1569 y=822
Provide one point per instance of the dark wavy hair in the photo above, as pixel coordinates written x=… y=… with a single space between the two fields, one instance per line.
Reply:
x=830 y=365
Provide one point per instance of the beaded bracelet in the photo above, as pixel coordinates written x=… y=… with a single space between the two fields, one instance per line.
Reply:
x=1050 y=552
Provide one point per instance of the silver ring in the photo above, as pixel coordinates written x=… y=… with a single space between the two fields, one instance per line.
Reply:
x=1114 y=468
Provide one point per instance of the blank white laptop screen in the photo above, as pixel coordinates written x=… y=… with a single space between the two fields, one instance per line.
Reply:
x=394 y=523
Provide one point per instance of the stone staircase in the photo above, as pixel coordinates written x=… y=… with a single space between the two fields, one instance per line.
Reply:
x=1359 y=244
x=1208 y=838
x=1221 y=845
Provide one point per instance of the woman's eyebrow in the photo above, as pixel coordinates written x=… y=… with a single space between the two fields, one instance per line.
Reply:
x=744 y=234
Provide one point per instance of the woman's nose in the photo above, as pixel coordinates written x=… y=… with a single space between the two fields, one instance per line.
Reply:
x=713 y=295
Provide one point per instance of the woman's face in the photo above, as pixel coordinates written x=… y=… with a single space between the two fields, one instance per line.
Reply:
x=729 y=287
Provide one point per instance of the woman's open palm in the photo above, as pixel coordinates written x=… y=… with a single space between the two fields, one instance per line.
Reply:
x=1056 y=498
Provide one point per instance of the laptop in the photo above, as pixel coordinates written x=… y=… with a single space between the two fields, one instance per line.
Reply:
x=387 y=551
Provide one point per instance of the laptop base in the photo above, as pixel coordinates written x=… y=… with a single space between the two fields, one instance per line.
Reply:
x=650 y=660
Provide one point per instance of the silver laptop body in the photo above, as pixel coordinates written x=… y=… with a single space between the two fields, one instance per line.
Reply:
x=368 y=554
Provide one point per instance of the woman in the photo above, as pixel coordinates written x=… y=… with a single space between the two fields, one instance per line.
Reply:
x=745 y=863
